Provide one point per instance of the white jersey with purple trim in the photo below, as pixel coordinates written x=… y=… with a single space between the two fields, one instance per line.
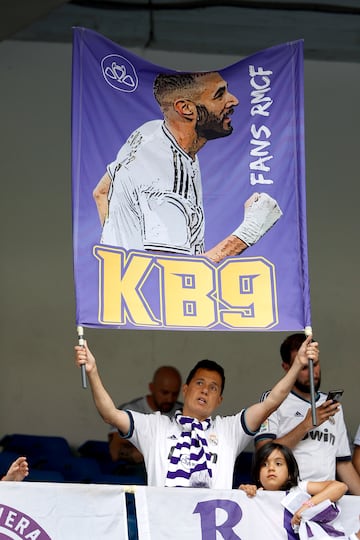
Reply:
x=155 y=197
x=317 y=453
x=156 y=435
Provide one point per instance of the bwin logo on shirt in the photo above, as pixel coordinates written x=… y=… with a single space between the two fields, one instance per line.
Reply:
x=18 y=526
x=119 y=73
x=320 y=436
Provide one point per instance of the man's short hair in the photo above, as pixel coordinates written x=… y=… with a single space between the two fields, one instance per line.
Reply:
x=290 y=344
x=210 y=365
x=167 y=83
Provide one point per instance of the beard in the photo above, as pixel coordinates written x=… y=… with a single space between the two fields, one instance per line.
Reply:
x=305 y=388
x=165 y=407
x=211 y=126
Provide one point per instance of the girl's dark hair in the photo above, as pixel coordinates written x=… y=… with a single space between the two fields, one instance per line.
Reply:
x=264 y=452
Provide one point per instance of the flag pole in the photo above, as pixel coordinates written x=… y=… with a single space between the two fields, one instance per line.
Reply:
x=308 y=332
x=80 y=333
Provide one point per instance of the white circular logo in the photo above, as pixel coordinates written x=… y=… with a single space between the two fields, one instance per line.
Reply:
x=119 y=73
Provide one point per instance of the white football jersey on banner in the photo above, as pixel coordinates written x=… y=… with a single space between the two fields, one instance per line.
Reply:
x=155 y=199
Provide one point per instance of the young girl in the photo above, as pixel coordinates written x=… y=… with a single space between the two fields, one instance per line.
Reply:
x=275 y=469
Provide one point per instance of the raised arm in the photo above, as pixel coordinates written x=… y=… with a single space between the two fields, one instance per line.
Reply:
x=230 y=246
x=100 y=195
x=261 y=212
x=257 y=414
x=103 y=402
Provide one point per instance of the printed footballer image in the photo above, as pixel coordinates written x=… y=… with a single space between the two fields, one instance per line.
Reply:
x=150 y=197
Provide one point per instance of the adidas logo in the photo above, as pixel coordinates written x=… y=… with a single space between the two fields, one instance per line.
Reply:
x=299 y=414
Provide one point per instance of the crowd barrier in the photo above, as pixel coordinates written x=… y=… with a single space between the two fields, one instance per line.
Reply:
x=64 y=511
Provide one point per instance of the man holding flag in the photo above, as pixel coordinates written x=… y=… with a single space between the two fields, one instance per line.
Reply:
x=192 y=449
x=321 y=451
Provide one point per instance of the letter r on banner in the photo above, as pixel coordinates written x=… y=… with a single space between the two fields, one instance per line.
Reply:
x=212 y=512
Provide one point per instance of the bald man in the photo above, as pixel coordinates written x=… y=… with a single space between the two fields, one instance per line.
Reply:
x=163 y=393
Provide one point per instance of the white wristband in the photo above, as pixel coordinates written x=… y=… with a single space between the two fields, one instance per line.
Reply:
x=260 y=216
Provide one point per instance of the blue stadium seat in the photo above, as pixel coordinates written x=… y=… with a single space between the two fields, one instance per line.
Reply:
x=80 y=470
x=98 y=450
x=51 y=460
x=35 y=475
x=41 y=475
x=42 y=451
x=6 y=459
x=119 y=472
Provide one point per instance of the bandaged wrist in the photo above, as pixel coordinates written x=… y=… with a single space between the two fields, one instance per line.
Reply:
x=259 y=217
x=247 y=232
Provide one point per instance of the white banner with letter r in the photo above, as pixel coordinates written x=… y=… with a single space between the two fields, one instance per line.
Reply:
x=203 y=514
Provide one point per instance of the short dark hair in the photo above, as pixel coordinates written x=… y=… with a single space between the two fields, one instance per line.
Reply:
x=166 y=83
x=290 y=344
x=210 y=365
x=264 y=452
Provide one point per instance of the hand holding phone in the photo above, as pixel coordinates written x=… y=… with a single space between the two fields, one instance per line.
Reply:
x=335 y=395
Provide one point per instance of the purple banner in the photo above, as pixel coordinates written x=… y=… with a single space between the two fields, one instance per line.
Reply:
x=189 y=208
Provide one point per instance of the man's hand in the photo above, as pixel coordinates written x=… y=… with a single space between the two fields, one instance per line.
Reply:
x=83 y=356
x=308 y=349
x=324 y=412
x=261 y=213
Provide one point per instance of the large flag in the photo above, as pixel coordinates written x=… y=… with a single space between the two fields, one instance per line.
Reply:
x=165 y=167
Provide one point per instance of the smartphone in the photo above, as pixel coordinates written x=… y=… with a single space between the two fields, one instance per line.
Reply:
x=335 y=395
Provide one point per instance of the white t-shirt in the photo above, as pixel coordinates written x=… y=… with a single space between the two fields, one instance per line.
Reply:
x=155 y=198
x=156 y=435
x=317 y=453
